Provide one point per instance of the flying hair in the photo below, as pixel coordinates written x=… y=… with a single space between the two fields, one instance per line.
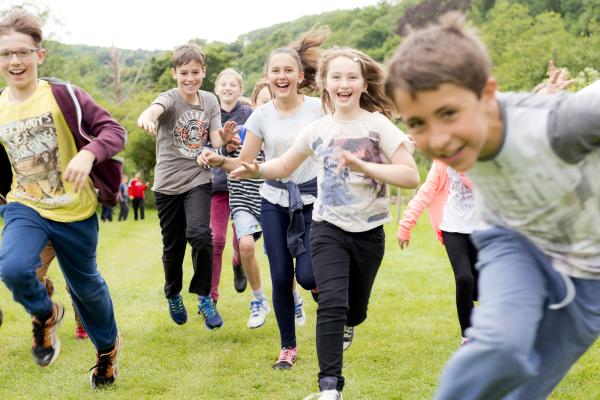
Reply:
x=21 y=21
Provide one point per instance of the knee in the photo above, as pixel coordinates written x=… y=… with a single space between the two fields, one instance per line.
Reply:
x=247 y=247
x=306 y=279
x=14 y=273
x=465 y=281
x=200 y=237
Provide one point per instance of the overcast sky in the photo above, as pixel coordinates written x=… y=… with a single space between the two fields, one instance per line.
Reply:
x=164 y=24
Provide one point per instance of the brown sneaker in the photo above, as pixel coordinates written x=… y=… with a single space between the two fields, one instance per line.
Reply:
x=46 y=345
x=105 y=372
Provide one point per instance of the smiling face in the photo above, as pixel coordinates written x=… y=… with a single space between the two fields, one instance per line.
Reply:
x=451 y=123
x=189 y=78
x=345 y=84
x=20 y=72
x=228 y=89
x=283 y=75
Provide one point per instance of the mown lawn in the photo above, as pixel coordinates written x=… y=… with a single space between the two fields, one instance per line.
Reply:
x=397 y=353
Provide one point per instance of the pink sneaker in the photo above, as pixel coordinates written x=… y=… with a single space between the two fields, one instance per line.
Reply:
x=287 y=358
x=80 y=333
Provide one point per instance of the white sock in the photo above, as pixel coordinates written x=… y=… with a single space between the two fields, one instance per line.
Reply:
x=296 y=296
x=259 y=294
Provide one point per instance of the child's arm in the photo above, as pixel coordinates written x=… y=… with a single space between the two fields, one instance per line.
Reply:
x=79 y=169
x=423 y=199
x=402 y=170
x=252 y=145
x=147 y=119
x=277 y=168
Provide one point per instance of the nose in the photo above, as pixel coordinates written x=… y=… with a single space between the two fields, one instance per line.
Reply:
x=439 y=139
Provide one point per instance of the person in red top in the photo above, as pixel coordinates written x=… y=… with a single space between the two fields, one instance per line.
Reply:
x=137 y=189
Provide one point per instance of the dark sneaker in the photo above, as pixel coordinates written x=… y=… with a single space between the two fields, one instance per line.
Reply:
x=177 y=309
x=239 y=278
x=46 y=345
x=105 y=372
x=348 y=336
x=287 y=358
x=212 y=318
x=1 y=316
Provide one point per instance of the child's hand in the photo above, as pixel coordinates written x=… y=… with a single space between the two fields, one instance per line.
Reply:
x=349 y=160
x=209 y=159
x=246 y=171
x=79 y=169
x=147 y=124
x=228 y=131
x=557 y=80
x=233 y=144
x=403 y=243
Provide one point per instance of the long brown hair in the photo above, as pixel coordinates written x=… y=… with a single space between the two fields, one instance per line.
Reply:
x=374 y=98
x=306 y=51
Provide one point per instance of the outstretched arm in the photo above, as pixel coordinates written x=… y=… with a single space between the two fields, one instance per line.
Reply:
x=147 y=119
x=276 y=168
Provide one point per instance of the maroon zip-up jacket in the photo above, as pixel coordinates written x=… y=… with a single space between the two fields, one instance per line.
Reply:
x=93 y=129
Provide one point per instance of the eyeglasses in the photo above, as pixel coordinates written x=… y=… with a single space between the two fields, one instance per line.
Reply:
x=21 y=53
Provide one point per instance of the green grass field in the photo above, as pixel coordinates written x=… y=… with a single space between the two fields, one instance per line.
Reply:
x=397 y=353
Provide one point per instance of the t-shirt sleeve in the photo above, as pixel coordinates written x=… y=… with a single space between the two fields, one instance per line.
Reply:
x=303 y=142
x=164 y=99
x=254 y=124
x=392 y=137
x=574 y=125
x=214 y=112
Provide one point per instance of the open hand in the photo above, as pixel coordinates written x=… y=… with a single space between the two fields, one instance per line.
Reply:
x=228 y=131
x=246 y=171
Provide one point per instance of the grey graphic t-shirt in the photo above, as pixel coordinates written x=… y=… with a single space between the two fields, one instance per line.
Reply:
x=352 y=201
x=183 y=130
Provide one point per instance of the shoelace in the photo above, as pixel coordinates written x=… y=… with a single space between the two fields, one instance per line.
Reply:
x=176 y=304
x=299 y=313
x=255 y=307
x=207 y=308
x=102 y=364
x=348 y=332
x=288 y=354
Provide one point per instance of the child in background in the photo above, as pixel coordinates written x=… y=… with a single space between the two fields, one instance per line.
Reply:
x=137 y=193
x=244 y=196
x=286 y=206
x=358 y=151
x=449 y=196
x=123 y=199
x=184 y=120
x=228 y=90
x=533 y=160
x=55 y=137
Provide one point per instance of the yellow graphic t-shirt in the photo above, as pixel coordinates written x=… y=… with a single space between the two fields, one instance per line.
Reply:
x=40 y=145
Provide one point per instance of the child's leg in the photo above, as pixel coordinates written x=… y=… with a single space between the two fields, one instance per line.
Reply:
x=199 y=236
x=366 y=255
x=136 y=206
x=514 y=294
x=331 y=255
x=249 y=262
x=219 y=216
x=563 y=336
x=24 y=235
x=75 y=246
x=172 y=224
x=235 y=244
x=305 y=275
x=275 y=219
x=459 y=246
x=142 y=207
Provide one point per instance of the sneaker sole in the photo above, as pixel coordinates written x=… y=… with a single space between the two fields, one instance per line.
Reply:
x=214 y=328
x=257 y=326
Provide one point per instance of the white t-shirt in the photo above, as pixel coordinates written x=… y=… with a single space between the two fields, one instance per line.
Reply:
x=349 y=200
x=278 y=133
x=459 y=210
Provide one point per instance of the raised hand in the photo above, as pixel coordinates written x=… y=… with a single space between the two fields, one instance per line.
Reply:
x=228 y=131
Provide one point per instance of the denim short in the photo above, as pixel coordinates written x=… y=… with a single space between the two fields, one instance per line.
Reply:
x=246 y=224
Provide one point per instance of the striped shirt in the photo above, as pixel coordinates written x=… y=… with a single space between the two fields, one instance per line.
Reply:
x=244 y=194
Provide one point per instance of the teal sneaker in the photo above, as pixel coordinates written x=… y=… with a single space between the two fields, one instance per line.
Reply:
x=177 y=309
x=212 y=318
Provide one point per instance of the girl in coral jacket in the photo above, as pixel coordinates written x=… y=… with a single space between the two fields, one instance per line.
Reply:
x=449 y=196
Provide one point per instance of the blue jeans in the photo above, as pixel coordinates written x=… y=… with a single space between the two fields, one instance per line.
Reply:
x=274 y=220
x=520 y=347
x=24 y=236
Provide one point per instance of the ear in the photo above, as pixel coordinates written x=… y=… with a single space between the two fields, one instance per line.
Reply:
x=174 y=73
x=203 y=71
x=489 y=90
x=301 y=75
x=41 y=53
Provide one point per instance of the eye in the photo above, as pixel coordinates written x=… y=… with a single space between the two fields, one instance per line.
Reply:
x=414 y=124
x=24 y=52
x=448 y=114
x=5 y=53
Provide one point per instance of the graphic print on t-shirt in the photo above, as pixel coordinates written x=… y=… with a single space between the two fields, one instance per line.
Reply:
x=334 y=187
x=32 y=147
x=191 y=133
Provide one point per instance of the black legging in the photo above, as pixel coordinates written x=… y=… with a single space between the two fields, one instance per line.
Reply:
x=138 y=204
x=463 y=256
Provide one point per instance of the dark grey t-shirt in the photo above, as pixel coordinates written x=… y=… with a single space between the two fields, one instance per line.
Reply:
x=183 y=130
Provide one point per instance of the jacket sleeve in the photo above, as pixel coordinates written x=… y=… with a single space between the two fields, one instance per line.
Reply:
x=109 y=136
x=421 y=201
